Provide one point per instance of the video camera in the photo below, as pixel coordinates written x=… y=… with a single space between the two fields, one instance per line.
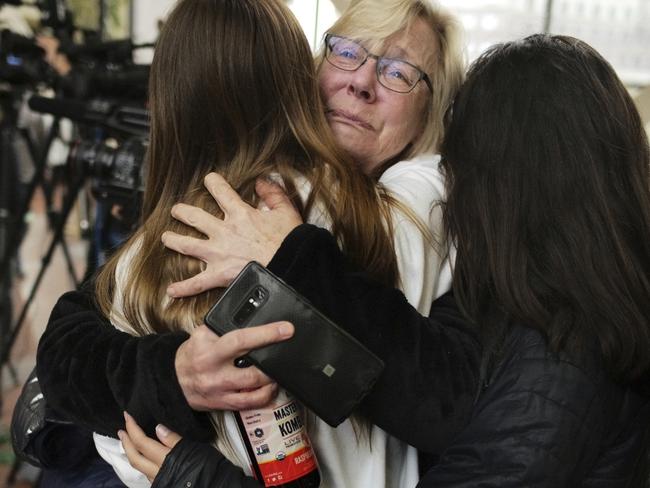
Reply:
x=126 y=82
x=21 y=60
x=116 y=164
x=95 y=73
x=117 y=171
x=100 y=68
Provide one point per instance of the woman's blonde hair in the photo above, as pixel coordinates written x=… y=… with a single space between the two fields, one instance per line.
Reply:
x=373 y=21
x=233 y=89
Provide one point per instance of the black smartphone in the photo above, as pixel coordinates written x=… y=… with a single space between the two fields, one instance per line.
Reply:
x=323 y=366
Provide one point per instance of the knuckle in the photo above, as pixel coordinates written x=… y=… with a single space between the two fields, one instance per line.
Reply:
x=200 y=386
x=181 y=246
x=249 y=377
x=230 y=384
x=237 y=340
x=191 y=218
x=195 y=286
x=263 y=396
x=237 y=210
x=248 y=400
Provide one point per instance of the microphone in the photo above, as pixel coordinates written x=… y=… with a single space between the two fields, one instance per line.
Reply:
x=87 y=112
x=132 y=120
x=114 y=50
x=132 y=80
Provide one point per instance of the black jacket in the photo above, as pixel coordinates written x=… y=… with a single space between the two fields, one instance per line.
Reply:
x=541 y=421
x=91 y=373
x=547 y=420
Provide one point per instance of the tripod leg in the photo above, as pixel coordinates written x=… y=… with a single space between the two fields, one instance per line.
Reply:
x=6 y=309
x=69 y=264
x=53 y=217
x=8 y=204
x=48 y=191
x=56 y=239
x=15 y=232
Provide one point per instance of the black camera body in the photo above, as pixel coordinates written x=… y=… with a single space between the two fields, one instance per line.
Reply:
x=21 y=60
x=114 y=163
x=117 y=172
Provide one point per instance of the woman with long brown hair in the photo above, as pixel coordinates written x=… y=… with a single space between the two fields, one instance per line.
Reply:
x=233 y=89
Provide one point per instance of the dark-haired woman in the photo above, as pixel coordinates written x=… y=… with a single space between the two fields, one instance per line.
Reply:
x=548 y=178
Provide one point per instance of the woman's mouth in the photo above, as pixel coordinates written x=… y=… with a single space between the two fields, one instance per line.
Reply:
x=349 y=117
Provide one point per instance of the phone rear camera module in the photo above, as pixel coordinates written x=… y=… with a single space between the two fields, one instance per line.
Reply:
x=255 y=299
x=260 y=294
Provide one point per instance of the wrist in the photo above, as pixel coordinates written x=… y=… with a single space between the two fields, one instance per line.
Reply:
x=183 y=373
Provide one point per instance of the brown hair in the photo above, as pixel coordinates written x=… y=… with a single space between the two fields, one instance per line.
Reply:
x=233 y=90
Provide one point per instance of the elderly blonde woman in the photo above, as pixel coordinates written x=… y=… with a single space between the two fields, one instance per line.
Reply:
x=385 y=82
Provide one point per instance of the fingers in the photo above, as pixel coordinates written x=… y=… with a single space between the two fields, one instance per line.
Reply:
x=237 y=379
x=137 y=460
x=244 y=399
x=206 y=371
x=145 y=454
x=205 y=280
x=191 y=286
x=274 y=198
x=166 y=436
x=247 y=400
x=282 y=215
x=241 y=341
x=222 y=192
x=198 y=218
x=271 y=194
x=189 y=246
x=150 y=448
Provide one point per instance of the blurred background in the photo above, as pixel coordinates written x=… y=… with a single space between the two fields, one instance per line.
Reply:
x=73 y=126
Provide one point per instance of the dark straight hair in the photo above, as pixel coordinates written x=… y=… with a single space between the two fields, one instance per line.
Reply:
x=546 y=160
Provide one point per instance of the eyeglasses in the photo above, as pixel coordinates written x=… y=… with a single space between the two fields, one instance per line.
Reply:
x=395 y=74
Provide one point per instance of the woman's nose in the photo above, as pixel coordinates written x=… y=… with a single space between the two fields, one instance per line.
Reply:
x=363 y=81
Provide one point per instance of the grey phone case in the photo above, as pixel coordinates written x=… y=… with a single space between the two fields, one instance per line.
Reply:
x=323 y=366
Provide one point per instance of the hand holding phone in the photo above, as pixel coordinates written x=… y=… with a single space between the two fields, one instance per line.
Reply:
x=210 y=379
x=322 y=365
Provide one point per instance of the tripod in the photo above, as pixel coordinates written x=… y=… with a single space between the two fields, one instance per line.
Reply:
x=13 y=210
x=57 y=238
x=8 y=179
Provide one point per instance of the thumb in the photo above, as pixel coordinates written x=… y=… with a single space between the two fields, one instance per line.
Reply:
x=166 y=436
x=272 y=194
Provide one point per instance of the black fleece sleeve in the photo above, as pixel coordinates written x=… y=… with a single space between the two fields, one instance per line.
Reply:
x=426 y=392
x=91 y=372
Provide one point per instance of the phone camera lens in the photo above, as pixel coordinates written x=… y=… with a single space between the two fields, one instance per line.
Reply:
x=260 y=294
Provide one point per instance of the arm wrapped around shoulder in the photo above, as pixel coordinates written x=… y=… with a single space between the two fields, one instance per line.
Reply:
x=91 y=372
